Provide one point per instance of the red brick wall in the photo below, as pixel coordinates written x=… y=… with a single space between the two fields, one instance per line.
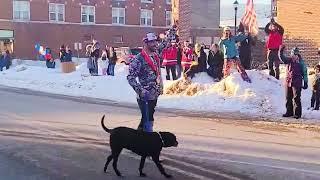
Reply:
x=301 y=21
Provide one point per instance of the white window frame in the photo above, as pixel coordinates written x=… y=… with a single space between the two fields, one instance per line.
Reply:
x=146 y=1
x=56 y=12
x=146 y=21
x=118 y=15
x=169 y=1
x=15 y=5
x=88 y=15
x=170 y=19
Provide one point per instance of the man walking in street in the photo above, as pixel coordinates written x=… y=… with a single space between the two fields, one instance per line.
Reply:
x=275 y=37
x=146 y=67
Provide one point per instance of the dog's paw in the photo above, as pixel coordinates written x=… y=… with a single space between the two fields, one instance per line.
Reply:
x=105 y=170
x=143 y=175
x=168 y=176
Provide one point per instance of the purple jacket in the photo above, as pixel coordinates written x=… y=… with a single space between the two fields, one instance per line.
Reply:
x=147 y=88
x=296 y=72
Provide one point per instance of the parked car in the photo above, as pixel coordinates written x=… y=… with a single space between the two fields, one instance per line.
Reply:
x=125 y=53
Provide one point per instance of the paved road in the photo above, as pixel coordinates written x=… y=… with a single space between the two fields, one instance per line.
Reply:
x=50 y=138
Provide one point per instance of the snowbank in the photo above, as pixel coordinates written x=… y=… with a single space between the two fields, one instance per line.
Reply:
x=263 y=97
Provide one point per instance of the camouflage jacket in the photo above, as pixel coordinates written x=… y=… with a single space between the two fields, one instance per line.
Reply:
x=147 y=88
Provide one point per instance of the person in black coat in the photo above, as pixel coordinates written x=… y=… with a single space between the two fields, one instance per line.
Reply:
x=68 y=54
x=112 y=61
x=62 y=53
x=245 y=49
x=179 y=57
x=215 y=61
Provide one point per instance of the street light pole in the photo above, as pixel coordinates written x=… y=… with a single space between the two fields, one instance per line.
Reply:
x=235 y=5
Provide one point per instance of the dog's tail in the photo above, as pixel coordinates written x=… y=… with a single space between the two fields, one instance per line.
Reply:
x=103 y=126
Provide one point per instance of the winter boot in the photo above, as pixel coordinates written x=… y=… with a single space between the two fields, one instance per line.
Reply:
x=287 y=115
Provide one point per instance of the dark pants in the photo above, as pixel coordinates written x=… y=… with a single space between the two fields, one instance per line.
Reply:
x=274 y=63
x=179 y=70
x=173 y=72
x=95 y=70
x=51 y=64
x=293 y=101
x=147 y=109
x=190 y=72
x=215 y=72
x=315 y=99
x=246 y=60
x=110 y=70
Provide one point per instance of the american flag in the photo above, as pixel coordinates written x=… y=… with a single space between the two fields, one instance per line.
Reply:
x=249 y=20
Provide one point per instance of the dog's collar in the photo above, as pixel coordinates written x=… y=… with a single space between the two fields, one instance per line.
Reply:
x=161 y=138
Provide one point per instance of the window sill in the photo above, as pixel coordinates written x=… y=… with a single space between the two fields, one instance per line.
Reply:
x=147 y=2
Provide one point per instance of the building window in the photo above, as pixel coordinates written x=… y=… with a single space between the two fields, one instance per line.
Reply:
x=87 y=14
x=169 y=1
x=147 y=1
x=146 y=17
x=118 y=39
x=56 y=12
x=168 y=18
x=21 y=10
x=118 y=15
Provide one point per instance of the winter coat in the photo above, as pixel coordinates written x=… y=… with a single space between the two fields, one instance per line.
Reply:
x=95 y=50
x=215 y=60
x=62 y=55
x=296 y=72
x=187 y=57
x=169 y=56
x=68 y=56
x=245 y=47
x=316 y=83
x=228 y=46
x=202 y=61
x=275 y=38
x=48 y=57
x=113 y=59
x=147 y=87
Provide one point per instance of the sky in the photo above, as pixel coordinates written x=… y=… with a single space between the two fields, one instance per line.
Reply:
x=225 y=2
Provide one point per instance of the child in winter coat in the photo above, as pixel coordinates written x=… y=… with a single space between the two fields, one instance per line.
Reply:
x=231 y=54
x=315 y=99
x=49 y=60
x=296 y=79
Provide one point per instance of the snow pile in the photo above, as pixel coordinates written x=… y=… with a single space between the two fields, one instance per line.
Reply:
x=263 y=97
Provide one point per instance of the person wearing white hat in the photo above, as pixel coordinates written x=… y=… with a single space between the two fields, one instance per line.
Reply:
x=146 y=67
x=227 y=45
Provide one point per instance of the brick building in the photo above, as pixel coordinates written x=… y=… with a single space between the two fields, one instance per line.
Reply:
x=198 y=20
x=23 y=23
x=300 y=18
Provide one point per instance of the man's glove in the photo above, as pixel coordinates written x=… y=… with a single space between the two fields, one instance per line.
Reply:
x=305 y=85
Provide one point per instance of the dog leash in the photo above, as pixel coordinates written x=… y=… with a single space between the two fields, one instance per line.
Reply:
x=161 y=138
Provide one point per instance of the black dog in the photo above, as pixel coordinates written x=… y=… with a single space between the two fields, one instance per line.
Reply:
x=142 y=143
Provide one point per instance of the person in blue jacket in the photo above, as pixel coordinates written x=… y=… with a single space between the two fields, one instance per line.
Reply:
x=227 y=45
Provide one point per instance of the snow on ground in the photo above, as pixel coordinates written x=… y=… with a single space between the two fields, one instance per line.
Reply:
x=263 y=97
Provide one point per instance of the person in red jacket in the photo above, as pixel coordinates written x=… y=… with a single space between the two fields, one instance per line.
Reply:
x=169 y=55
x=275 y=37
x=187 y=57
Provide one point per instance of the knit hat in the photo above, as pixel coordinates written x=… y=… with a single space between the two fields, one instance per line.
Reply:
x=295 y=51
x=226 y=29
